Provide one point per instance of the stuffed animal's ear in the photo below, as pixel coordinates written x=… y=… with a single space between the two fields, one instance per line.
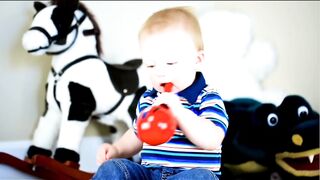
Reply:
x=38 y=5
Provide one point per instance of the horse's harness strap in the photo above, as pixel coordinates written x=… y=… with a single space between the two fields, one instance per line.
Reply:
x=57 y=76
x=74 y=27
x=81 y=19
x=112 y=109
x=43 y=31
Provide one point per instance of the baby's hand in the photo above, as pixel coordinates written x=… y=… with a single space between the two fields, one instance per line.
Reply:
x=106 y=152
x=169 y=99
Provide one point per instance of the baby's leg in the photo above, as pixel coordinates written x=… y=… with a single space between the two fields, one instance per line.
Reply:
x=196 y=173
x=122 y=169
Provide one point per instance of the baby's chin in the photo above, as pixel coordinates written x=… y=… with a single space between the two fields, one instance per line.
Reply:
x=159 y=88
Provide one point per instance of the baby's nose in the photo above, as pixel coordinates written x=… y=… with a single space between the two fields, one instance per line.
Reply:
x=161 y=70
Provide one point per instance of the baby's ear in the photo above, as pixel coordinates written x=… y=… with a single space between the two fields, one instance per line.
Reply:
x=199 y=60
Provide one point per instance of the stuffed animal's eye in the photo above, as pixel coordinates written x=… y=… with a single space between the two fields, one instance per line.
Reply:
x=303 y=111
x=272 y=119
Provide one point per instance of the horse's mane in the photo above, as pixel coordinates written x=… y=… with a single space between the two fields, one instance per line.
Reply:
x=96 y=27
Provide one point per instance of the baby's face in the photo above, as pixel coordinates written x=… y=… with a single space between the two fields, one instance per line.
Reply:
x=170 y=56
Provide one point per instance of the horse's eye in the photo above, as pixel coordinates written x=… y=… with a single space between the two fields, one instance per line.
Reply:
x=272 y=119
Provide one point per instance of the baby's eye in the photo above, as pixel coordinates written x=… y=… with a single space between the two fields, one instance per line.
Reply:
x=171 y=63
x=150 y=66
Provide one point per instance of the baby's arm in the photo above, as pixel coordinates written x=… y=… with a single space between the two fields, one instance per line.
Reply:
x=127 y=146
x=200 y=131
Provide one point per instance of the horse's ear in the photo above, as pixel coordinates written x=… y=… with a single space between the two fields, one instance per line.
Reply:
x=38 y=5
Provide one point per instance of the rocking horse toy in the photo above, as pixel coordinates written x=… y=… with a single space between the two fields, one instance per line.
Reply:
x=80 y=86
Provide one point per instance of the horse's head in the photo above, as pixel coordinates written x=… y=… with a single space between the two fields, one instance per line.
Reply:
x=55 y=27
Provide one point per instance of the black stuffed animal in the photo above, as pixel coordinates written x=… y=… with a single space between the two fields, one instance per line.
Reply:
x=249 y=146
x=298 y=156
x=268 y=142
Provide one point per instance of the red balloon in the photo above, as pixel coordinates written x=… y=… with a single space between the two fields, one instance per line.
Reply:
x=156 y=126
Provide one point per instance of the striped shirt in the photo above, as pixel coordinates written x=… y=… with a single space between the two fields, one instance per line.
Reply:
x=205 y=102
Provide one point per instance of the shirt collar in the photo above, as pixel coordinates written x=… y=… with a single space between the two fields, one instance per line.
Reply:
x=190 y=93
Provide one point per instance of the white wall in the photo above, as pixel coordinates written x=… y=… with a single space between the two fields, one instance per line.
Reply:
x=292 y=27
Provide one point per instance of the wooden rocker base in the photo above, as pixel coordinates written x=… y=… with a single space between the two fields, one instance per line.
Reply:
x=44 y=167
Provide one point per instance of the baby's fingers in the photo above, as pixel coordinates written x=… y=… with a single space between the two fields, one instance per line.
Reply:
x=172 y=100
x=102 y=153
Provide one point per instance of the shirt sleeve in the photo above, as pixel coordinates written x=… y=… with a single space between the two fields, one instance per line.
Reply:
x=144 y=102
x=212 y=108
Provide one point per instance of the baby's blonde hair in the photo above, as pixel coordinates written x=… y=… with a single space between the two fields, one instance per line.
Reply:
x=177 y=17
